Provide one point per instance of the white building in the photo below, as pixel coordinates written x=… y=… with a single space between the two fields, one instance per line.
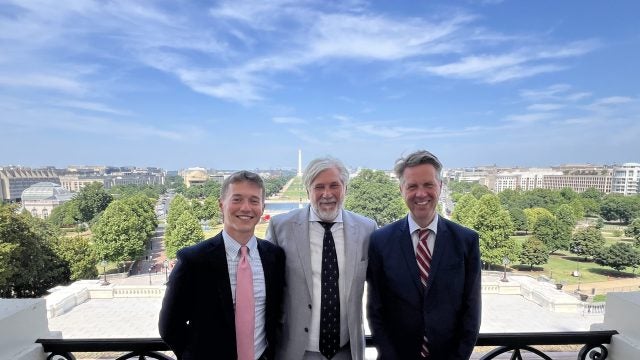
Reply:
x=40 y=199
x=625 y=179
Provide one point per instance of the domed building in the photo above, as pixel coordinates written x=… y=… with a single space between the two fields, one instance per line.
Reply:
x=195 y=176
x=40 y=198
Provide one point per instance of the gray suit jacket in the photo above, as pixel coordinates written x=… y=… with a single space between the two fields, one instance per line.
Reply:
x=290 y=231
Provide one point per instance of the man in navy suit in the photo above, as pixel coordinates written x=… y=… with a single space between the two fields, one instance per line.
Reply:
x=423 y=275
x=197 y=319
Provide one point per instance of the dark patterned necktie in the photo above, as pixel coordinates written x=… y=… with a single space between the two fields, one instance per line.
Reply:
x=330 y=297
x=423 y=257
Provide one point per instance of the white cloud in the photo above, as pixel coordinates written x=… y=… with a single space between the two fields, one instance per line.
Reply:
x=545 y=107
x=93 y=106
x=288 y=120
x=530 y=118
x=45 y=82
x=613 y=100
x=556 y=92
x=302 y=135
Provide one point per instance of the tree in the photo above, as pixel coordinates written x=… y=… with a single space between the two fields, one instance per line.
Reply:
x=578 y=208
x=633 y=230
x=197 y=208
x=494 y=226
x=65 y=215
x=28 y=264
x=617 y=207
x=211 y=210
x=542 y=198
x=143 y=208
x=201 y=191
x=591 y=199
x=511 y=199
x=587 y=242
x=273 y=185
x=566 y=217
x=374 y=194
x=534 y=252
x=549 y=230
x=478 y=190
x=519 y=219
x=619 y=256
x=186 y=232
x=533 y=214
x=177 y=206
x=91 y=200
x=566 y=222
x=80 y=255
x=465 y=209
x=568 y=194
x=117 y=235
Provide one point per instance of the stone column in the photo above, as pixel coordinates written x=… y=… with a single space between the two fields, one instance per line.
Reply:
x=622 y=313
x=22 y=322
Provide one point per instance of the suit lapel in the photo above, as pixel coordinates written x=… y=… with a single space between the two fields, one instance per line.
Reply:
x=299 y=230
x=351 y=244
x=406 y=248
x=220 y=270
x=267 y=267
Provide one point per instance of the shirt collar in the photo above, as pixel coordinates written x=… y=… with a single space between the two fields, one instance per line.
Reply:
x=314 y=217
x=413 y=226
x=232 y=246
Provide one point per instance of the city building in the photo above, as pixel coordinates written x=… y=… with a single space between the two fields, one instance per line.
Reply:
x=194 y=176
x=41 y=198
x=625 y=179
x=14 y=180
x=76 y=178
x=76 y=182
x=607 y=179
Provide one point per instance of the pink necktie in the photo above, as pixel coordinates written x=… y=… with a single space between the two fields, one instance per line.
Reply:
x=423 y=256
x=245 y=309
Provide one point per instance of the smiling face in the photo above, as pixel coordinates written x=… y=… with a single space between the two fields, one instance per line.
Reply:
x=420 y=189
x=326 y=194
x=242 y=208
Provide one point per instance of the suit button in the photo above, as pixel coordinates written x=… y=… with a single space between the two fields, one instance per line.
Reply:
x=306 y=330
x=309 y=306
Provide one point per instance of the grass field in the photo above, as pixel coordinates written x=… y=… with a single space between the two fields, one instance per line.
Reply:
x=261 y=229
x=295 y=191
x=562 y=264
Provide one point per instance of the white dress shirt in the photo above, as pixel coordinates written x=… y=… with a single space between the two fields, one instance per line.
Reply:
x=232 y=248
x=316 y=236
x=413 y=230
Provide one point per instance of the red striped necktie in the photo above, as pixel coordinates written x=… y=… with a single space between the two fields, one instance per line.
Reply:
x=423 y=257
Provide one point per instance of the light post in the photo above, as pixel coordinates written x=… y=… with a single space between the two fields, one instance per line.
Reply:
x=505 y=262
x=104 y=272
x=150 y=275
x=165 y=264
x=578 y=251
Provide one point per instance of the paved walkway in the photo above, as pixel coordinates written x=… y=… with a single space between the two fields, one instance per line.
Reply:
x=603 y=287
x=138 y=317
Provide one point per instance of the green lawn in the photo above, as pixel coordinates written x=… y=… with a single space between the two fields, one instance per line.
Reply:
x=562 y=264
x=261 y=229
x=295 y=191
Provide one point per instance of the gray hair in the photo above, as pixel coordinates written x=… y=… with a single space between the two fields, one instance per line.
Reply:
x=417 y=158
x=241 y=176
x=316 y=166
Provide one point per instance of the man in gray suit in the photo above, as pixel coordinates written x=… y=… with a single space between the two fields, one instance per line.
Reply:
x=326 y=249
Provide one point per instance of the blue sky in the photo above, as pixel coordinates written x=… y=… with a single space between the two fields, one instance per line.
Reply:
x=244 y=84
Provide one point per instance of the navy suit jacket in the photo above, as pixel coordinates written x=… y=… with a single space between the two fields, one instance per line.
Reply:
x=400 y=310
x=197 y=319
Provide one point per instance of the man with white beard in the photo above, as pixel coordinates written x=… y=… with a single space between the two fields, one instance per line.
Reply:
x=326 y=249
